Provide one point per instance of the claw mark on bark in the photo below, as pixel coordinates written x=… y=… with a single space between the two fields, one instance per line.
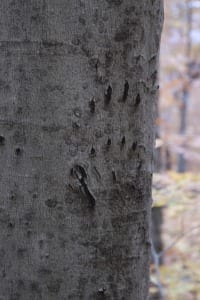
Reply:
x=123 y=141
x=114 y=176
x=134 y=146
x=108 y=95
x=18 y=151
x=96 y=65
x=126 y=88
x=92 y=152
x=2 y=140
x=154 y=77
x=139 y=165
x=137 y=100
x=108 y=144
x=72 y=172
x=81 y=175
x=92 y=105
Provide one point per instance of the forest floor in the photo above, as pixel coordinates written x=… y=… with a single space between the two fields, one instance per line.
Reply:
x=179 y=197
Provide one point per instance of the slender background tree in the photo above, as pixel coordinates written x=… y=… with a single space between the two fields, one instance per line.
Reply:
x=179 y=80
x=77 y=89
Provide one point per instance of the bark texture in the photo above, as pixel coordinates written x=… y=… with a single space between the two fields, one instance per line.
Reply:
x=77 y=99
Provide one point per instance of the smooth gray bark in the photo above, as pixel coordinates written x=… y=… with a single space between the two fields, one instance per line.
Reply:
x=77 y=100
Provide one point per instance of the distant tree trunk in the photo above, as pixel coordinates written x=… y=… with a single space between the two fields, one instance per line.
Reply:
x=157 y=219
x=182 y=130
x=77 y=90
x=185 y=92
x=157 y=151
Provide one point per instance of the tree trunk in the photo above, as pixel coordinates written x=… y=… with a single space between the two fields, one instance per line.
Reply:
x=77 y=90
x=185 y=97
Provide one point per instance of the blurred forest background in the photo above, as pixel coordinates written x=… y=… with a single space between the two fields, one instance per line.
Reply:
x=175 y=269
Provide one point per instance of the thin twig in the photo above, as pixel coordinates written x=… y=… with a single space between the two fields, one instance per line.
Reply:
x=182 y=235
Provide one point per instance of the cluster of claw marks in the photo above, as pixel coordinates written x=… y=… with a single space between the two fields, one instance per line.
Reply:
x=107 y=99
x=108 y=145
x=80 y=174
x=108 y=93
